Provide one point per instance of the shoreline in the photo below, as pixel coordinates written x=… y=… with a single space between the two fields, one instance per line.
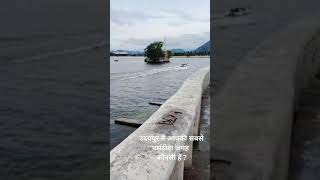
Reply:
x=171 y=56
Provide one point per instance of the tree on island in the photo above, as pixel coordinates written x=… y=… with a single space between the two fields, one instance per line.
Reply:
x=155 y=54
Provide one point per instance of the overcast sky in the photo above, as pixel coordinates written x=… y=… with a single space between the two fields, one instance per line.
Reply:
x=136 y=23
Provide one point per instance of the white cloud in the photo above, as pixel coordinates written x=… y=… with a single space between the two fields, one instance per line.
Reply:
x=136 y=24
x=129 y=17
x=184 y=41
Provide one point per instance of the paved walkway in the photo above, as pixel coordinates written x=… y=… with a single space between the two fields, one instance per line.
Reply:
x=234 y=37
x=305 y=155
x=201 y=151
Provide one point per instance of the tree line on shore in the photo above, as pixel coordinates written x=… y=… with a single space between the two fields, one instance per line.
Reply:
x=186 y=53
x=155 y=50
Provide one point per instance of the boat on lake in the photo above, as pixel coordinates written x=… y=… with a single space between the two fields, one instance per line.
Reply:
x=184 y=65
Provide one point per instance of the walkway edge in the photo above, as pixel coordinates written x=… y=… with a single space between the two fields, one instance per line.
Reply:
x=133 y=159
x=254 y=111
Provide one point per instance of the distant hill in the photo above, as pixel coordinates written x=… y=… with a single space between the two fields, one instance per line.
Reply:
x=175 y=51
x=136 y=53
x=203 y=48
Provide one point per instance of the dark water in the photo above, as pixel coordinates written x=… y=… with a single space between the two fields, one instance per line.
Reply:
x=52 y=118
x=133 y=84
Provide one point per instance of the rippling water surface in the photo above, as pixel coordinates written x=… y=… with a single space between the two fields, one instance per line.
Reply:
x=134 y=83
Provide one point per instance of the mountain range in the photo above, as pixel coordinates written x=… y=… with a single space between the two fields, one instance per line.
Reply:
x=201 y=49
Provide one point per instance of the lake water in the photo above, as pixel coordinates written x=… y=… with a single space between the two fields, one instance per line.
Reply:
x=134 y=83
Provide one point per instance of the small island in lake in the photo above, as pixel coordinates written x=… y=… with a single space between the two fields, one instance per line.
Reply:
x=155 y=53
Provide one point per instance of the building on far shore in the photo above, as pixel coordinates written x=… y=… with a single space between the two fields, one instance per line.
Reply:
x=119 y=53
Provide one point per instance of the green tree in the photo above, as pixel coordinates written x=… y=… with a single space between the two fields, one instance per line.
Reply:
x=154 y=51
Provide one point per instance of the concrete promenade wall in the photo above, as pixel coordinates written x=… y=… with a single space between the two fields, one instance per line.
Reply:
x=133 y=159
x=254 y=111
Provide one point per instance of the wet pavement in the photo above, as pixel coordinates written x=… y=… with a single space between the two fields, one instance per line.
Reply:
x=305 y=148
x=200 y=169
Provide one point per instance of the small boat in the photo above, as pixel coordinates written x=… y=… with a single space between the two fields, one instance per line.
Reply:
x=116 y=60
x=184 y=65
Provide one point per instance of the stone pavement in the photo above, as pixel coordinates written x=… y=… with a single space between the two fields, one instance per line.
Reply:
x=201 y=151
x=305 y=148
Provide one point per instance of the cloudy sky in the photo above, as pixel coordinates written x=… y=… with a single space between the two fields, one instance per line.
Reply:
x=136 y=23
